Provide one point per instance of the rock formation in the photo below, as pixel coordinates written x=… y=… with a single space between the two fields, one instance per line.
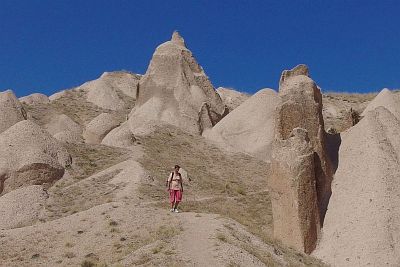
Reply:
x=361 y=226
x=250 y=127
x=61 y=123
x=11 y=110
x=21 y=207
x=387 y=99
x=35 y=98
x=176 y=90
x=301 y=106
x=110 y=90
x=99 y=127
x=119 y=137
x=293 y=193
x=29 y=155
x=231 y=98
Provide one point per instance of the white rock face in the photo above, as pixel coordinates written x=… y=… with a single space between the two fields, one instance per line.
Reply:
x=30 y=155
x=361 y=226
x=99 y=127
x=11 y=110
x=21 y=207
x=387 y=99
x=250 y=127
x=231 y=98
x=175 y=90
x=35 y=98
x=104 y=92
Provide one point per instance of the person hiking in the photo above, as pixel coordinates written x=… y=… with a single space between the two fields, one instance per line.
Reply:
x=175 y=188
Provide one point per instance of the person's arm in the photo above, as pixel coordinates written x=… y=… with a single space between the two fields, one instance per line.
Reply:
x=180 y=180
x=168 y=183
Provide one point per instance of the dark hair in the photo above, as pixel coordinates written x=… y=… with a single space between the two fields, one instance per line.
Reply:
x=177 y=166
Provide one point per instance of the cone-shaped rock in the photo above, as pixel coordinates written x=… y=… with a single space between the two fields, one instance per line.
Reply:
x=250 y=127
x=176 y=90
x=361 y=226
x=35 y=98
x=387 y=99
x=11 y=110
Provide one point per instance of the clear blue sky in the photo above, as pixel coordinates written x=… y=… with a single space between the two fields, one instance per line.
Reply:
x=49 y=45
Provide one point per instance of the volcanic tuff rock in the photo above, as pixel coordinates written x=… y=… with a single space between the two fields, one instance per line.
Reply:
x=293 y=193
x=231 y=98
x=302 y=107
x=385 y=99
x=119 y=137
x=99 y=127
x=21 y=207
x=35 y=98
x=176 y=90
x=11 y=110
x=250 y=127
x=61 y=123
x=110 y=90
x=30 y=155
x=361 y=226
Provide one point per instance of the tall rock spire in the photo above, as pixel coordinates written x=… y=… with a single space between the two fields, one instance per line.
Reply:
x=175 y=90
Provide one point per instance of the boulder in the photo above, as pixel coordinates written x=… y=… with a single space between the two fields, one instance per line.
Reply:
x=293 y=192
x=22 y=207
x=231 y=98
x=175 y=90
x=29 y=155
x=35 y=98
x=361 y=226
x=119 y=137
x=99 y=127
x=11 y=110
x=250 y=127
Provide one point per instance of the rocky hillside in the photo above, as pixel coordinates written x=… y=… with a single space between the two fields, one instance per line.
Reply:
x=287 y=178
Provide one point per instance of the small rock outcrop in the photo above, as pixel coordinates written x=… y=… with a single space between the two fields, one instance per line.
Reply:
x=175 y=90
x=119 y=137
x=22 y=207
x=301 y=107
x=232 y=98
x=387 y=99
x=62 y=123
x=112 y=89
x=293 y=193
x=11 y=110
x=361 y=226
x=35 y=98
x=99 y=127
x=250 y=127
x=29 y=155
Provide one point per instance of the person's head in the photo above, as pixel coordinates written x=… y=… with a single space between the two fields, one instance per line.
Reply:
x=177 y=168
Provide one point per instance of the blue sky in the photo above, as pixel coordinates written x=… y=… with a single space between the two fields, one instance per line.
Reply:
x=50 y=45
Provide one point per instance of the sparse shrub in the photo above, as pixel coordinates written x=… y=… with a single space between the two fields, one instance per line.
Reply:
x=88 y=263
